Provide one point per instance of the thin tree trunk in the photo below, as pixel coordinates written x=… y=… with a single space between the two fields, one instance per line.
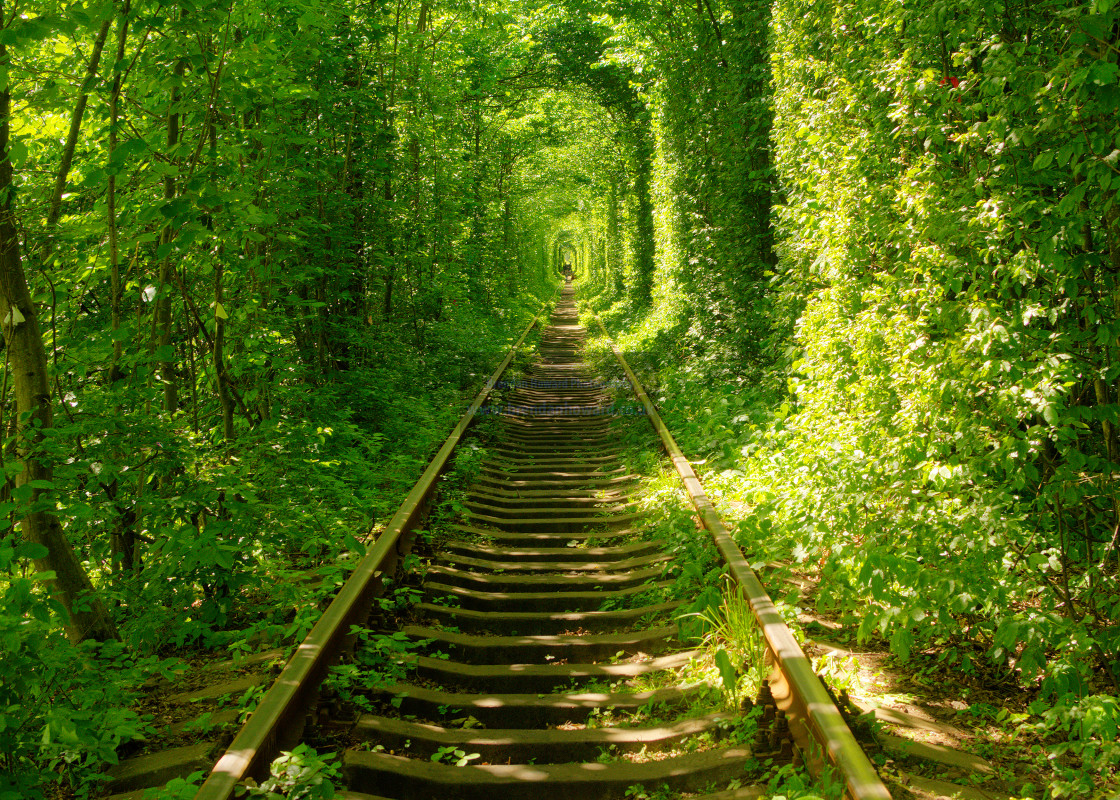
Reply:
x=76 y=116
x=219 y=356
x=387 y=191
x=221 y=379
x=644 y=247
x=614 y=245
x=87 y=617
x=163 y=298
x=111 y=196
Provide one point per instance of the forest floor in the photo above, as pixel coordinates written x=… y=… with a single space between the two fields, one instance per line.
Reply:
x=936 y=734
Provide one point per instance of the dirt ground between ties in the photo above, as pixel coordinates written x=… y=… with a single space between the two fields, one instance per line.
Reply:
x=952 y=703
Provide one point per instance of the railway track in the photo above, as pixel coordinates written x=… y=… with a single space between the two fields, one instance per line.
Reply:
x=514 y=602
x=510 y=678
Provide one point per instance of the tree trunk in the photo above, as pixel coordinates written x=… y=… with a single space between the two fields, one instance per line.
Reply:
x=27 y=360
x=644 y=229
x=219 y=355
x=614 y=242
x=111 y=197
x=123 y=538
x=163 y=298
x=76 y=116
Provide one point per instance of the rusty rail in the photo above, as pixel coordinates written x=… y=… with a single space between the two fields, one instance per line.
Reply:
x=816 y=723
x=277 y=723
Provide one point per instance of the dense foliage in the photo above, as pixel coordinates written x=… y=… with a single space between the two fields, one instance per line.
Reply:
x=868 y=253
x=271 y=247
x=915 y=393
x=951 y=231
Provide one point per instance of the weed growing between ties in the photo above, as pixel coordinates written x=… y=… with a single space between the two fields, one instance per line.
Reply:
x=776 y=781
x=456 y=756
x=730 y=636
x=301 y=774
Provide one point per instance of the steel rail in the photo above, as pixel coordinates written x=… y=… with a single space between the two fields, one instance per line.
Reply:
x=814 y=719
x=277 y=723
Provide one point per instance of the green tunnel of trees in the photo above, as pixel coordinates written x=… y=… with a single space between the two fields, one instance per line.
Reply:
x=255 y=253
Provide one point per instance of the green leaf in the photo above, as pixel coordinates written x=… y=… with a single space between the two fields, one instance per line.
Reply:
x=94 y=178
x=41 y=612
x=727 y=671
x=1007 y=634
x=31 y=550
x=902 y=640
x=17 y=153
x=126 y=151
x=1050 y=414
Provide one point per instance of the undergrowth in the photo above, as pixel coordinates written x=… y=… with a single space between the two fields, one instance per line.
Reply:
x=245 y=547
x=948 y=576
